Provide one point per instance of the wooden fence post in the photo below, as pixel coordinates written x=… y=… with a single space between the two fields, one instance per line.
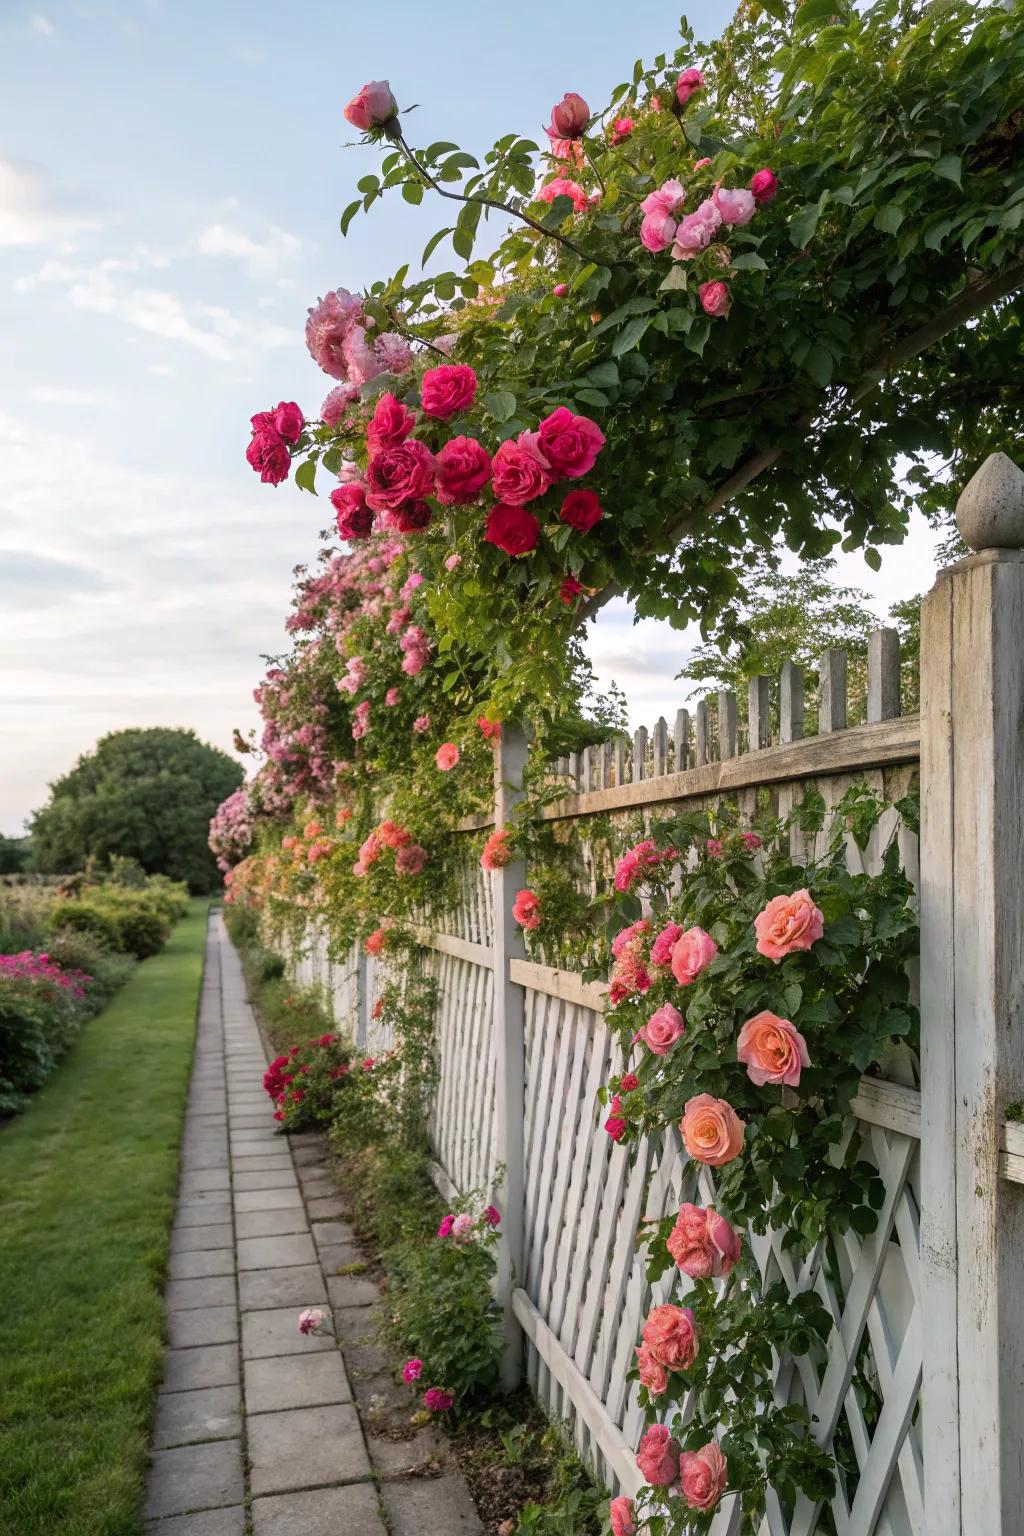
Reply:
x=972 y=1016
x=510 y=1053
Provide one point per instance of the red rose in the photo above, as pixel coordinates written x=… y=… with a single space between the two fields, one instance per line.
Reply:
x=764 y=185
x=289 y=421
x=512 y=529
x=570 y=443
x=391 y=424
x=570 y=117
x=520 y=471
x=447 y=390
x=354 y=518
x=410 y=517
x=463 y=469
x=268 y=454
x=570 y=590
x=397 y=473
x=581 y=510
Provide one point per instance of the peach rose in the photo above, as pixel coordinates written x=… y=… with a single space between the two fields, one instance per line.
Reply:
x=651 y=1372
x=692 y=953
x=788 y=923
x=703 y=1244
x=662 y=1030
x=712 y=1131
x=658 y=1456
x=621 y=1513
x=703 y=1476
x=773 y=1050
x=670 y=1334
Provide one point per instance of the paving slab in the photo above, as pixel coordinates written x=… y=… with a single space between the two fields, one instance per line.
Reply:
x=335 y=1256
x=295 y=1381
x=298 y=1287
x=195 y=1477
x=186 y=1369
x=275 y=1252
x=211 y=1522
x=440 y=1504
x=276 y=1332
x=201 y=1291
x=189 y=1239
x=196 y=1263
x=268 y=1199
x=321 y=1512
x=327 y=1232
x=352 y=1291
x=210 y=1413
x=306 y=1448
x=271 y=1223
x=324 y=1207
x=207 y=1325
x=425 y=1451
x=265 y=1178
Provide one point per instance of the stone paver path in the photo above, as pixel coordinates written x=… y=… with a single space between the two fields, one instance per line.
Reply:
x=257 y=1432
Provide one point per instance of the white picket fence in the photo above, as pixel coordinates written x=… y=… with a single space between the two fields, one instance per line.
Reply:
x=933 y=1295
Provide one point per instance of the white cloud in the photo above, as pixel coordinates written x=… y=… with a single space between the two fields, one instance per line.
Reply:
x=259 y=257
x=41 y=25
x=57 y=394
x=162 y=370
x=33 y=210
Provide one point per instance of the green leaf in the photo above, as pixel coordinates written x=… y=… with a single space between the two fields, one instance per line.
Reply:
x=462 y=242
x=748 y=261
x=873 y=559
x=675 y=280
x=818 y=363
x=591 y=396
x=349 y=214
x=368 y=183
x=804 y=222
x=630 y=335
x=889 y=217
x=412 y=191
x=442 y=147
x=950 y=167
x=433 y=243
x=305 y=476
x=501 y=404
x=604 y=375
x=817 y=13
x=558 y=212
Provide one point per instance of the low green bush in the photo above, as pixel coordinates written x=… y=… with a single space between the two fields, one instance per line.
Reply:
x=79 y=950
x=90 y=918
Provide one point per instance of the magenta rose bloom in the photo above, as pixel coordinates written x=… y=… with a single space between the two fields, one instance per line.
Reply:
x=569 y=118
x=410 y=517
x=764 y=185
x=289 y=421
x=463 y=468
x=437 y=1400
x=390 y=424
x=399 y=473
x=268 y=455
x=520 y=471
x=715 y=299
x=581 y=510
x=569 y=443
x=371 y=106
x=689 y=83
x=353 y=516
x=412 y=1370
x=512 y=529
x=447 y=390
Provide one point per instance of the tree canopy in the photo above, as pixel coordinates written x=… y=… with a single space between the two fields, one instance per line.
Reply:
x=144 y=794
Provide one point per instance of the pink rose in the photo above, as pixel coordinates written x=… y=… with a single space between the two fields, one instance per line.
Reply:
x=772 y=1049
x=390 y=424
x=764 y=185
x=581 y=510
x=446 y=756
x=462 y=1227
x=661 y=949
x=669 y=198
x=715 y=299
x=714 y=847
x=712 y=1131
x=526 y=909
x=703 y=1476
x=750 y=841
x=421 y=724
x=630 y=941
x=412 y=1370
x=652 y=1373
x=337 y=403
x=311 y=1319
x=331 y=320
x=703 y=1244
x=788 y=923
x=398 y=473
x=392 y=697
x=621 y=1514
x=736 y=207
x=354 y=518
x=497 y=852
x=289 y=421
x=437 y=1400
x=560 y=290
x=622 y=129
x=689 y=82
x=268 y=455
x=371 y=106
x=492 y=1215
x=664 y=1027
x=696 y=231
x=520 y=471
x=699 y=165
x=512 y=529
x=410 y=517
x=452 y=562
x=411 y=859
x=692 y=953
x=570 y=117
x=447 y=1222
x=657 y=232
x=672 y=1337
x=658 y=1456
x=561 y=186
x=447 y=390
x=570 y=444
x=463 y=468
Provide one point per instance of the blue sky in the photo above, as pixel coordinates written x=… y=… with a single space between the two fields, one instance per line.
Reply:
x=171 y=175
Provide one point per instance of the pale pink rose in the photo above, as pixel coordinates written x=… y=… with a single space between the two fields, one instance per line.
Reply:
x=662 y=1030
x=421 y=724
x=651 y=1372
x=337 y=403
x=462 y=1227
x=311 y=1319
x=699 y=165
x=671 y=1335
x=736 y=206
x=714 y=847
x=696 y=231
x=669 y=198
x=658 y=1456
x=661 y=949
x=715 y=299
x=692 y=953
x=703 y=1244
x=446 y=756
x=657 y=232
x=371 y=106
x=452 y=561
x=621 y=1513
x=712 y=1131
x=630 y=940
x=392 y=697
x=773 y=1050
x=788 y=923
x=689 y=82
x=703 y=1476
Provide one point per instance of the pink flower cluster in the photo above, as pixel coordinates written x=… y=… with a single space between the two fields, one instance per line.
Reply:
x=703 y=1475
x=272 y=432
x=703 y=1244
x=637 y=862
x=670 y=1341
x=410 y=856
x=341 y=343
x=689 y=235
x=629 y=973
x=231 y=829
x=34 y=967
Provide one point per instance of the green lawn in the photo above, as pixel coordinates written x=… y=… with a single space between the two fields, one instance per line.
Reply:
x=87 y=1183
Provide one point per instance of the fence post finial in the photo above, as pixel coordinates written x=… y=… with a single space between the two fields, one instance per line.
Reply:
x=990 y=512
